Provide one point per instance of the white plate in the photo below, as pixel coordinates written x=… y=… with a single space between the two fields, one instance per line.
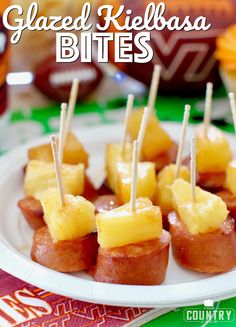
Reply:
x=181 y=287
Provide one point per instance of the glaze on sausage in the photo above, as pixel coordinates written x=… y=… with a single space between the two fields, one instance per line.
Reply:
x=106 y=203
x=166 y=158
x=230 y=201
x=213 y=252
x=64 y=256
x=90 y=192
x=32 y=211
x=212 y=182
x=143 y=263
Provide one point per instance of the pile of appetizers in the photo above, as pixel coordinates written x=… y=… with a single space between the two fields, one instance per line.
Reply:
x=152 y=197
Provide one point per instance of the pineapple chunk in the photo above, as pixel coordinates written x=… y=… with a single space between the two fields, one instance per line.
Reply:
x=146 y=180
x=206 y=214
x=41 y=175
x=74 y=220
x=74 y=152
x=113 y=156
x=41 y=152
x=156 y=140
x=230 y=182
x=213 y=151
x=120 y=226
x=165 y=179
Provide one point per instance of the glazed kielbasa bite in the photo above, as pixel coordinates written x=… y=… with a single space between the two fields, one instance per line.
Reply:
x=32 y=210
x=119 y=169
x=134 y=249
x=114 y=155
x=74 y=152
x=163 y=195
x=68 y=243
x=41 y=176
x=145 y=183
x=213 y=156
x=157 y=145
x=64 y=256
x=203 y=234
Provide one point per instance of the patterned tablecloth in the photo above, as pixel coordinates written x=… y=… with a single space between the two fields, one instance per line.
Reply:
x=24 y=305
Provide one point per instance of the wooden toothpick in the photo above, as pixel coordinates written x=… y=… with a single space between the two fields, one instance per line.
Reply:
x=57 y=169
x=133 y=186
x=71 y=106
x=233 y=108
x=182 y=139
x=208 y=106
x=62 y=133
x=143 y=126
x=129 y=107
x=193 y=168
x=154 y=86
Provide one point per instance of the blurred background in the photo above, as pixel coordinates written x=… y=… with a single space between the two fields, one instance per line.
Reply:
x=32 y=84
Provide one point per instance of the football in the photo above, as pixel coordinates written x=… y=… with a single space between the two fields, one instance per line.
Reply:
x=55 y=79
x=187 y=58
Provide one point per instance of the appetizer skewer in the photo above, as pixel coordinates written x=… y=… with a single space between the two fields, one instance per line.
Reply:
x=203 y=234
x=38 y=178
x=68 y=242
x=213 y=151
x=114 y=153
x=40 y=175
x=118 y=168
x=157 y=145
x=134 y=248
x=146 y=175
x=118 y=164
x=168 y=174
x=118 y=152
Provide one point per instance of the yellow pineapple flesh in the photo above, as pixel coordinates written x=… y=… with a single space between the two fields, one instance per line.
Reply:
x=113 y=156
x=73 y=220
x=205 y=214
x=146 y=180
x=213 y=152
x=74 y=152
x=121 y=226
x=41 y=152
x=230 y=181
x=156 y=140
x=41 y=175
x=165 y=179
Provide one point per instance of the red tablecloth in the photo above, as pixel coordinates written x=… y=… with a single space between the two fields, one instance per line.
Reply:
x=24 y=305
